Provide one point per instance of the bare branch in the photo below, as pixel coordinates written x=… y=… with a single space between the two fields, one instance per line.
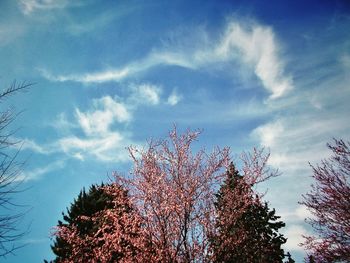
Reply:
x=9 y=176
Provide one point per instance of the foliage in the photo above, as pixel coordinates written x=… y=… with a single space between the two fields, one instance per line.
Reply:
x=9 y=176
x=247 y=230
x=86 y=205
x=165 y=211
x=101 y=226
x=329 y=203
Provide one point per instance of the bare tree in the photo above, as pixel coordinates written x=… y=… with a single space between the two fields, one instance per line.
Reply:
x=9 y=175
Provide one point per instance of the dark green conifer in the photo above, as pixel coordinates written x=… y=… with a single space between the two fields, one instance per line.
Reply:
x=247 y=230
x=86 y=204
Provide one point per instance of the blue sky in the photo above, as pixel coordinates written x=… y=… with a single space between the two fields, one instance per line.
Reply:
x=110 y=74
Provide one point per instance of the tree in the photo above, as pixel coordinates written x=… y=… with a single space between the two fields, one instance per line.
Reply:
x=101 y=226
x=247 y=230
x=164 y=211
x=173 y=190
x=86 y=204
x=9 y=176
x=329 y=203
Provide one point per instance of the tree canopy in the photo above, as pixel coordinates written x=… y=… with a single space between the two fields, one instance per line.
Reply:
x=166 y=210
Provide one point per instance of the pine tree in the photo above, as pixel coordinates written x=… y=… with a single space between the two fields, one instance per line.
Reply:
x=85 y=205
x=247 y=230
x=102 y=226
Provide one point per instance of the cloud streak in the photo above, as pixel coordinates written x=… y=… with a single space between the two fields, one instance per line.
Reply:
x=100 y=132
x=105 y=112
x=37 y=173
x=174 y=98
x=100 y=139
x=254 y=45
x=258 y=48
x=30 y=6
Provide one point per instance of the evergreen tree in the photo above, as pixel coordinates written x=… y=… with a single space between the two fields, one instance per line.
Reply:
x=247 y=230
x=79 y=214
x=101 y=226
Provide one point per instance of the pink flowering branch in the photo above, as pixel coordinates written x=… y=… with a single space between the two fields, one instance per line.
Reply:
x=329 y=203
x=173 y=189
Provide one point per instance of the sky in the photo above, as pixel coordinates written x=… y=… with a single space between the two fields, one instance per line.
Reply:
x=109 y=74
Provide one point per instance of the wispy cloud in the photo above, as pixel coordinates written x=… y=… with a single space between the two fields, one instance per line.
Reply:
x=296 y=132
x=62 y=124
x=101 y=131
x=37 y=173
x=38 y=240
x=96 y=77
x=258 y=48
x=145 y=93
x=109 y=147
x=27 y=144
x=124 y=72
x=294 y=234
x=30 y=6
x=254 y=45
x=297 y=215
x=10 y=32
x=91 y=24
x=296 y=140
x=105 y=112
x=101 y=138
x=174 y=98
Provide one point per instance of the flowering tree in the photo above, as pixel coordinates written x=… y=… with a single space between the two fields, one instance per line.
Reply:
x=85 y=205
x=169 y=212
x=105 y=232
x=329 y=203
x=173 y=190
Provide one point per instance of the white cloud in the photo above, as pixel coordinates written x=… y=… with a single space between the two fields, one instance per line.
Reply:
x=259 y=49
x=174 y=98
x=102 y=140
x=41 y=171
x=119 y=74
x=294 y=234
x=62 y=123
x=108 y=147
x=297 y=215
x=254 y=45
x=30 y=6
x=295 y=140
x=105 y=112
x=95 y=77
x=27 y=144
x=104 y=136
x=269 y=133
x=146 y=93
